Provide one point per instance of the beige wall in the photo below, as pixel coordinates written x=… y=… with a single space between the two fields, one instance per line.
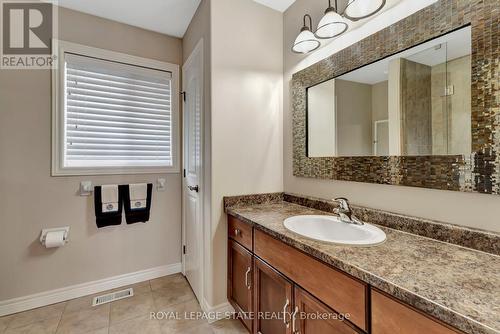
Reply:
x=380 y=100
x=354 y=118
x=199 y=28
x=30 y=199
x=321 y=132
x=476 y=210
x=243 y=112
x=247 y=69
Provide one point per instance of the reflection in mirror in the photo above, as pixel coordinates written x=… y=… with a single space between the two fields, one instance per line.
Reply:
x=417 y=102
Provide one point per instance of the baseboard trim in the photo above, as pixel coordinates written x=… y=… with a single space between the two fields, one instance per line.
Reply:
x=20 y=304
x=217 y=312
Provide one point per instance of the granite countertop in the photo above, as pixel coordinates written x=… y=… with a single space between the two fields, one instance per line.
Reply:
x=457 y=285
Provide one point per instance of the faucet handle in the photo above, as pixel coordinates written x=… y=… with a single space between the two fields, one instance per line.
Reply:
x=343 y=202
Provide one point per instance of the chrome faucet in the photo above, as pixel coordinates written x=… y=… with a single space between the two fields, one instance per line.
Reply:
x=344 y=211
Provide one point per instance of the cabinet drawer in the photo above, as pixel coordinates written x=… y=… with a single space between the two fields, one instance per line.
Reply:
x=337 y=290
x=390 y=316
x=240 y=232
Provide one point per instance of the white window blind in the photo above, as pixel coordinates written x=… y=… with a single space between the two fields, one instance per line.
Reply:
x=116 y=115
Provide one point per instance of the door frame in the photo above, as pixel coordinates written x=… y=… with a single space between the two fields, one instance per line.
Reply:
x=197 y=51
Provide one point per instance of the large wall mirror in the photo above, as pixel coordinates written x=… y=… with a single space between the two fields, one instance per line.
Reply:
x=415 y=104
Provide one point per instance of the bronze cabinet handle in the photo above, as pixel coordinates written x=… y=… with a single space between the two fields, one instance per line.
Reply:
x=287 y=323
x=294 y=318
x=247 y=284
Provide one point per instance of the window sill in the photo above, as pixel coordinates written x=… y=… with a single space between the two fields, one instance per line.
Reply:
x=114 y=171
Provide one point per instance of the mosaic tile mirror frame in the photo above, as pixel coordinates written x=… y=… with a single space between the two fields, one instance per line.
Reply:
x=479 y=172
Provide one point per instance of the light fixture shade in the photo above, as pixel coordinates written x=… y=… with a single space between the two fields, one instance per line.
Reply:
x=305 y=42
x=360 y=9
x=331 y=25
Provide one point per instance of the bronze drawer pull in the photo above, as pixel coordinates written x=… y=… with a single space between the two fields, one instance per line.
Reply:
x=247 y=284
x=287 y=323
x=294 y=318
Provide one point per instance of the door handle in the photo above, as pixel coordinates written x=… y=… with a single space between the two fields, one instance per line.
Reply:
x=246 y=278
x=237 y=232
x=194 y=188
x=287 y=323
x=294 y=318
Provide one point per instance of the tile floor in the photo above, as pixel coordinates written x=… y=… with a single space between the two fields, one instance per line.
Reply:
x=130 y=315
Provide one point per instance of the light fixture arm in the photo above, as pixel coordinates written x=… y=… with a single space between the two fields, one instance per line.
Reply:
x=331 y=8
x=305 y=24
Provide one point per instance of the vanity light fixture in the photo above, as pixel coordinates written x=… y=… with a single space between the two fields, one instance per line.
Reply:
x=331 y=24
x=361 y=9
x=306 y=41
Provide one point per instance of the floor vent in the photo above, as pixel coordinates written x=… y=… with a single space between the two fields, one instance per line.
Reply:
x=113 y=296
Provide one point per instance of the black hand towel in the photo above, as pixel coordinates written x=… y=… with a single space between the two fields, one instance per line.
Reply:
x=133 y=216
x=104 y=219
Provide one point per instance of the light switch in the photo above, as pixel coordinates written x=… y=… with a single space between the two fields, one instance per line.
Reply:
x=161 y=184
x=86 y=188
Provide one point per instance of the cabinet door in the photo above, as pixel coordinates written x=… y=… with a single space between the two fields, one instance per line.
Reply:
x=239 y=283
x=311 y=316
x=272 y=300
x=389 y=316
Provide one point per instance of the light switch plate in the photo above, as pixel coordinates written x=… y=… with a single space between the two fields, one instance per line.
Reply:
x=161 y=184
x=86 y=188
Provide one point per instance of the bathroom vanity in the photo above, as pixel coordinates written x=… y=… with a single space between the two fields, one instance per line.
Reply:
x=409 y=284
x=414 y=104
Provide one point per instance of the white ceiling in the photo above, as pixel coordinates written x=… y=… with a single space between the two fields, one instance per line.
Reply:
x=170 y=17
x=279 y=5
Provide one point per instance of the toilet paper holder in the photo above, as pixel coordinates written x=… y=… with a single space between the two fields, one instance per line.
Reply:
x=43 y=235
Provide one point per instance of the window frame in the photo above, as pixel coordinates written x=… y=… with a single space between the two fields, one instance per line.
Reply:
x=59 y=111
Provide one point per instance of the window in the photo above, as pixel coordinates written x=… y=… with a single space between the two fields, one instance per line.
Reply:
x=114 y=113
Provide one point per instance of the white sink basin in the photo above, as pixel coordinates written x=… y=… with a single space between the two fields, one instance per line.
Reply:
x=331 y=229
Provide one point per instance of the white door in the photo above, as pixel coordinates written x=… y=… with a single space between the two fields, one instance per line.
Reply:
x=381 y=138
x=192 y=77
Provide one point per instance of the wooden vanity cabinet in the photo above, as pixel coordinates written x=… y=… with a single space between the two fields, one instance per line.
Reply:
x=273 y=297
x=239 y=287
x=265 y=275
x=336 y=289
